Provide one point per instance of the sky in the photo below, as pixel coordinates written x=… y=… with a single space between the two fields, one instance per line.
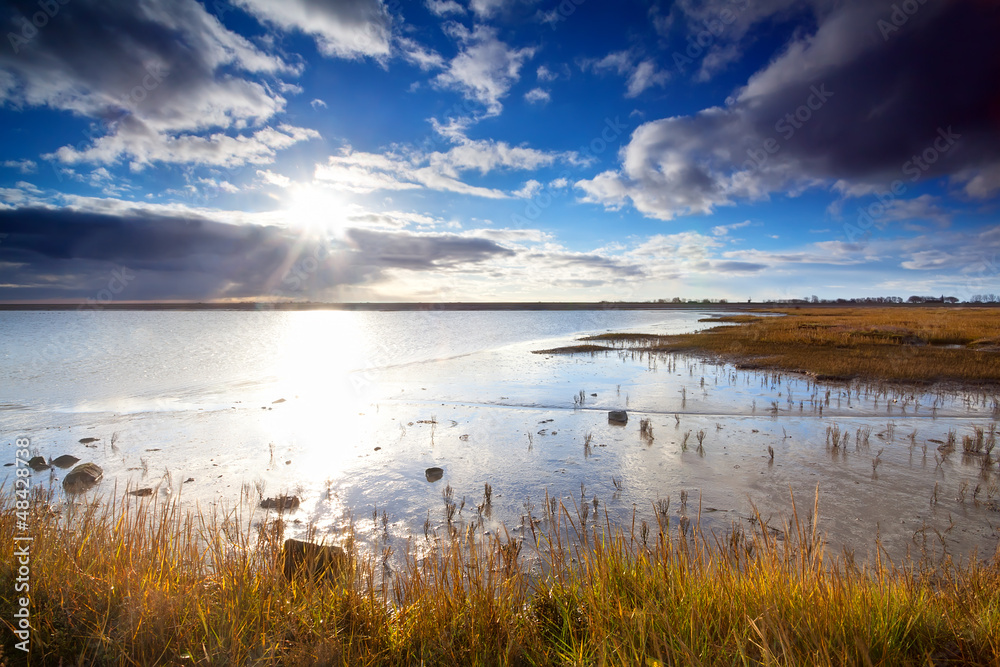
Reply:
x=498 y=150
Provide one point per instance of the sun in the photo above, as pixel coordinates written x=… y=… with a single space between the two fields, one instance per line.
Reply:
x=314 y=208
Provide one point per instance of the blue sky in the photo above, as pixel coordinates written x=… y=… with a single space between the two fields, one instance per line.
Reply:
x=498 y=149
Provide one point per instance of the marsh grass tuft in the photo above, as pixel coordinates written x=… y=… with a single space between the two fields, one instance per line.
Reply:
x=646 y=430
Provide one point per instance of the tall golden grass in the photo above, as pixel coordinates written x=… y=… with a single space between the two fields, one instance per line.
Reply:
x=133 y=583
x=912 y=344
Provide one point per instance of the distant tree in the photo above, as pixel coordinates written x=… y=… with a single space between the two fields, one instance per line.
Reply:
x=915 y=299
x=950 y=299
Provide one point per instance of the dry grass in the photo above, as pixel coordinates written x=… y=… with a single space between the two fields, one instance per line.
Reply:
x=914 y=345
x=140 y=584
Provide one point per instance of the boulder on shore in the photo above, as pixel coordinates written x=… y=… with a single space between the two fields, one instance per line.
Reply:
x=281 y=503
x=37 y=463
x=312 y=560
x=434 y=474
x=83 y=478
x=617 y=417
x=142 y=493
x=64 y=461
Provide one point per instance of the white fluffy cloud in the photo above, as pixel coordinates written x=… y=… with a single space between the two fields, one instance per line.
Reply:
x=444 y=7
x=537 y=96
x=367 y=172
x=641 y=74
x=142 y=147
x=342 y=28
x=485 y=68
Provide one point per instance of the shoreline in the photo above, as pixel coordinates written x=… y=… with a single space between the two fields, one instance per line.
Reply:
x=465 y=306
x=920 y=348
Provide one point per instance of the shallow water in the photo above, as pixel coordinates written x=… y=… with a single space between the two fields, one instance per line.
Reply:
x=371 y=400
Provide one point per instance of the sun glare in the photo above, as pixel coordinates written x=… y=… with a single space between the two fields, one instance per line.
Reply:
x=315 y=208
x=321 y=354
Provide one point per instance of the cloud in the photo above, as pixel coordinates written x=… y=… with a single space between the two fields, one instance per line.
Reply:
x=640 y=75
x=564 y=263
x=63 y=253
x=342 y=28
x=419 y=55
x=723 y=230
x=718 y=31
x=485 y=68
x=645 y=75
x=318 y=104
x=486 y=155
x=367 y=172
x=545 y=75
x=840 y=104
x=444 y=7
x=530 y=189
x=24 y=166
x=486 y=9
x=143 y=147
x=981 y=183
x=163 y=74
x=738 y=267
x=537 y=95
x=824 y=252
x=272 y=178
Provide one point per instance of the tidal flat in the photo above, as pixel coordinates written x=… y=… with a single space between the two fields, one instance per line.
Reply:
x=490 y=509
x=352 y=441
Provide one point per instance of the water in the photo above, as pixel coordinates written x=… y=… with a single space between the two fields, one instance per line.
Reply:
x=348 y=410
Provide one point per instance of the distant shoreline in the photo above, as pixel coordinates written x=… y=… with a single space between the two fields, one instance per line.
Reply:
x=454 y=306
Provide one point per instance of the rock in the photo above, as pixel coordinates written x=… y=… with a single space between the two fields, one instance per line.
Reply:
x=433 y=474
x=64 y=461
x=37 y=463
x=281 y=503
x=280 y=400
x=617 y=417
x=141 y=493
x=189 y=479
x=312 y=560
x=377 y=448
x=83 y=477
x=86 y=441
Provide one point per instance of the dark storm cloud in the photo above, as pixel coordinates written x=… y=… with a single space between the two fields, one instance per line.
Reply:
x=738 y=267
x=151 y=74
x=421 y=252
x=873 y=88
x=52 y=253
x=566 y=260
x=893 y=87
